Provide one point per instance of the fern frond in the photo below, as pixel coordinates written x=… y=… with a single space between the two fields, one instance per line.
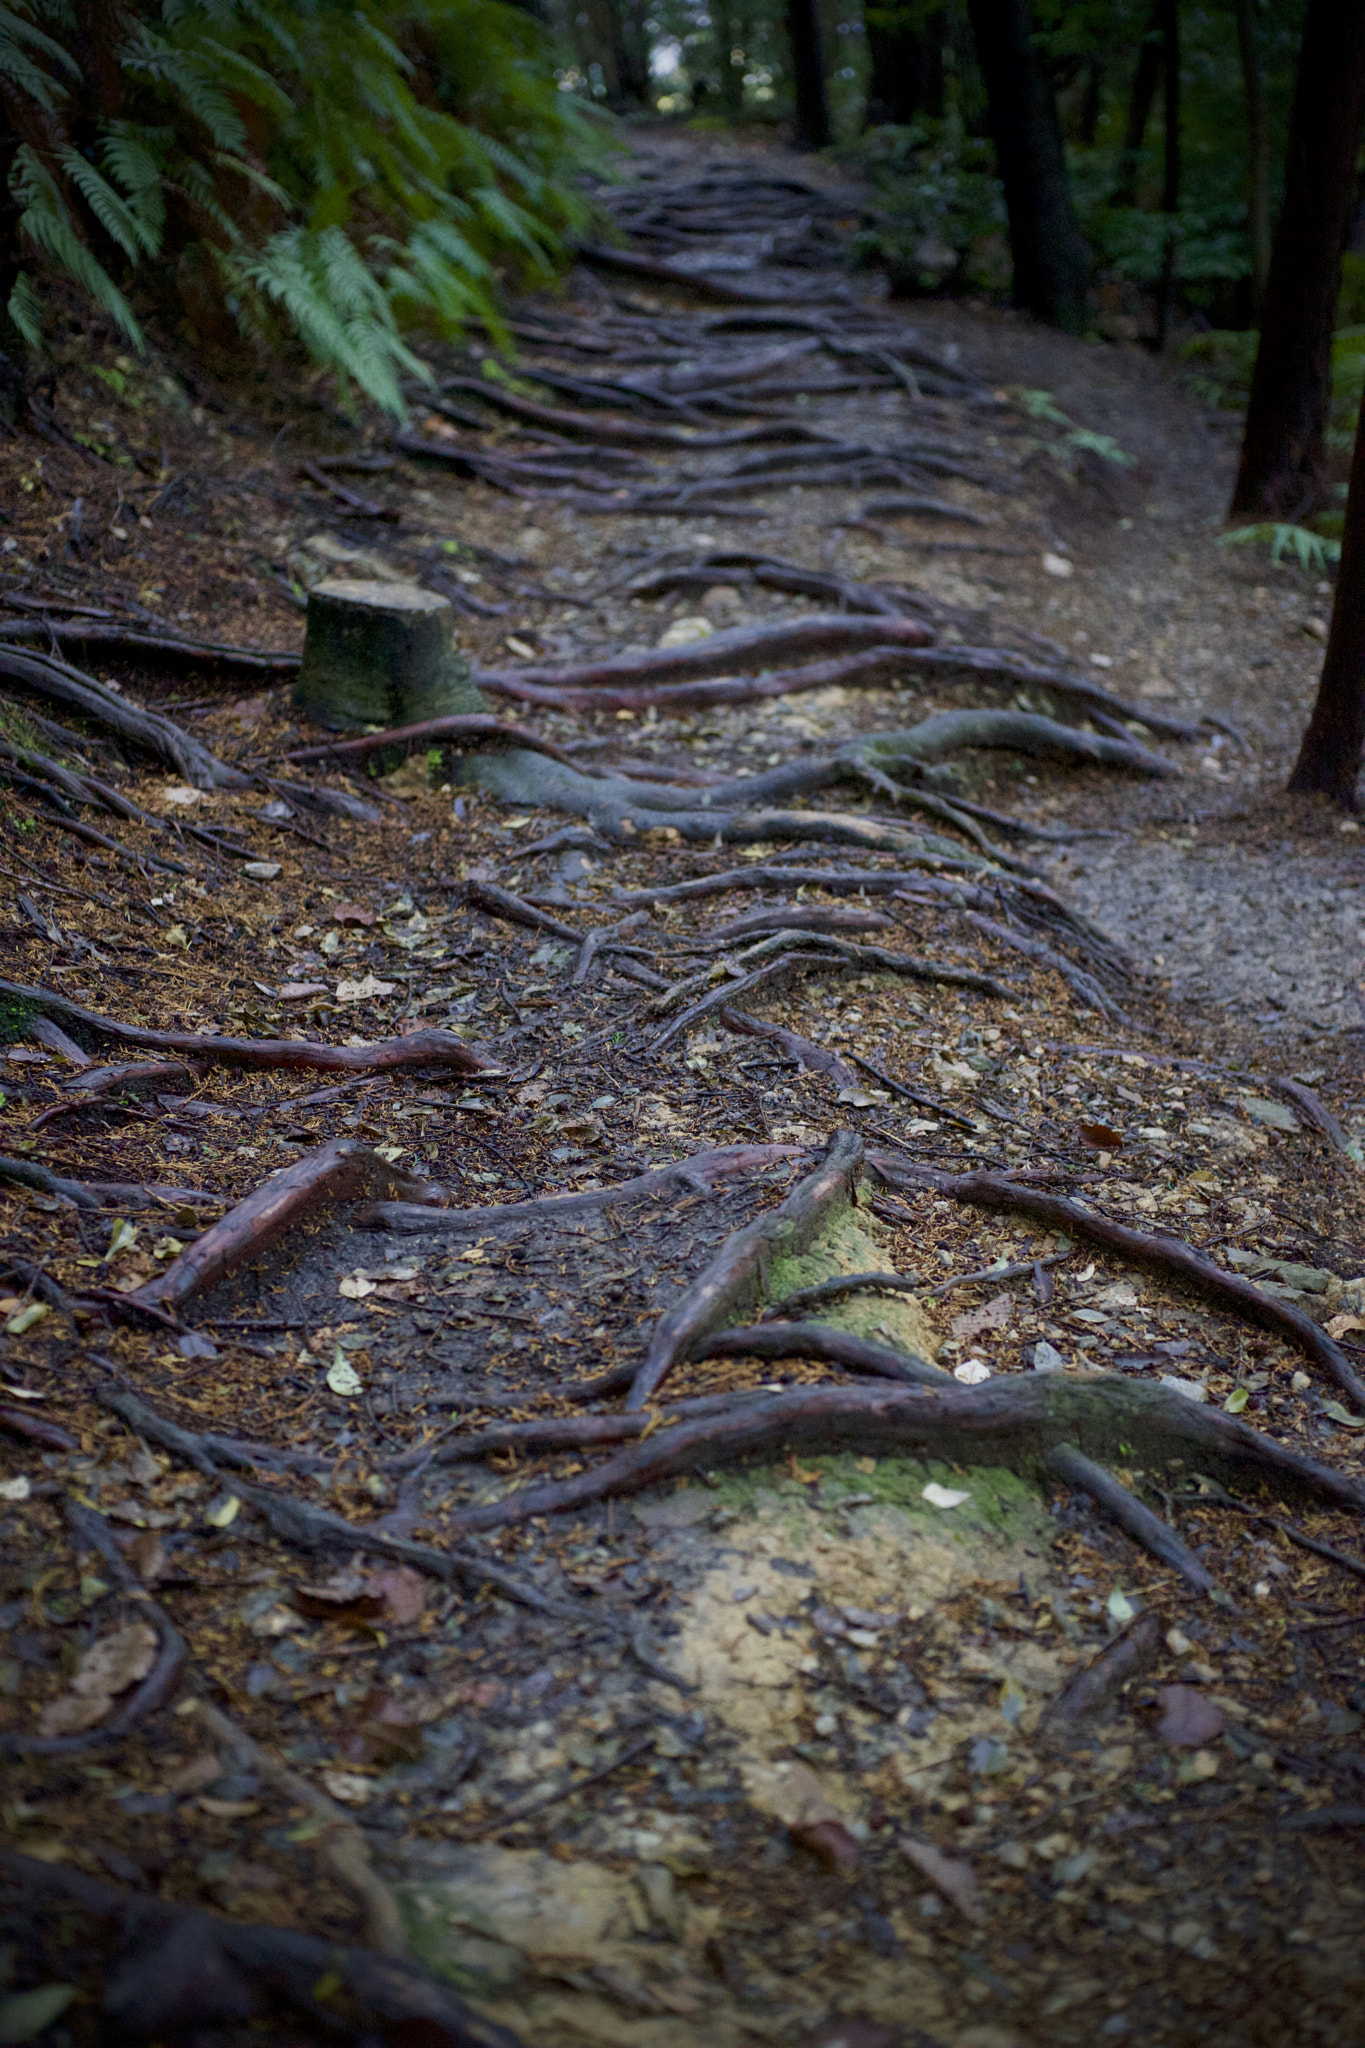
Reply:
x=25 y=310
x=46 y=224
x=129 y=229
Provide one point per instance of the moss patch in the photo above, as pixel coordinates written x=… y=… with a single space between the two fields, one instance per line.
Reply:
x=853 y=1243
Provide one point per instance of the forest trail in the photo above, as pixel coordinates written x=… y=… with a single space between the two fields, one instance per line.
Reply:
x=483 y=1572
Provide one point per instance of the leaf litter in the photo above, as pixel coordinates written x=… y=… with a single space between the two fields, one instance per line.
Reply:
x=783 y=1760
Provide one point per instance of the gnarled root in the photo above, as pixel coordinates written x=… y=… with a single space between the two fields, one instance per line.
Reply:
x=419 y=1049
x=178 y=1971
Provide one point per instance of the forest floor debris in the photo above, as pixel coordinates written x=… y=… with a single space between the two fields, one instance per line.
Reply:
x=839 y=1733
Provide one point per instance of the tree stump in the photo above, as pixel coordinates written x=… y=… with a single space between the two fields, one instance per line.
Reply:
x=381 y=654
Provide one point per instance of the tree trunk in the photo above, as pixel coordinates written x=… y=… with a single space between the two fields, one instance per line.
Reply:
x=1051 y=263
x=906 y=57
x=811 y=124
x=1170 y=184
x=381 y=654
x=1258 y=152
x=1146 y=78
x=1329 y=759
x=729 y=35
x=1283 y=472
x=631 y=46
x=1091 y=102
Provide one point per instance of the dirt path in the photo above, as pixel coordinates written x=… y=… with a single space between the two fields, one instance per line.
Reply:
x=848 y=1741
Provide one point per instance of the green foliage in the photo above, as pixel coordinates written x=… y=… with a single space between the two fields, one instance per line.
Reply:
x=351 y=170
x=1311 y=550
x=1041 y=406
x=939 y=214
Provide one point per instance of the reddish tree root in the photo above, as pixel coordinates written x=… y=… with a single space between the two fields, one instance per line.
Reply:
x=420 y=1049
x=1015 y=1421
x=696 y=1175
x=742 y=647
x=831 y=1346
x=336 y=1172
x=732 y=1284
x=1171 y=1254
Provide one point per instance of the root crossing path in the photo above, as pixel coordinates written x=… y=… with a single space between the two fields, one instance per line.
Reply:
x=683 y=1358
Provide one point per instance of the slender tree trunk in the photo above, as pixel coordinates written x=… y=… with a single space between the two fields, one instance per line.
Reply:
x=13 y=352
x=1329 y=759
x=906 y=65
x=1146 y=78
x=1283 y=472
x=1090 y=104
x=811 y=126
x=1170 y=184
x=1258 y=151
x=728 y=34
x=1051 y=262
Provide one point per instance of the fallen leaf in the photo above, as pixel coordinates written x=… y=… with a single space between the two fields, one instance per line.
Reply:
x=1276 y=1114
x=349 y=1787
x=72 y=1714
x=15 y=1489
x=25 y=1319
x=1119 y=1608
x=1189 y=1717
x=354 y=1287
x=948 y=1874
x=196 y=1775
x=1046 y=1358
x=116 y=1661
x=1342 y=1326
x=363 y=991
x=404 y=1593
x=294 y=991
x=1343 y=1416
x=831 y=1842
x=973 y=1372
x=942 y=1496
x=1236 y=1401
x=181 y=797
x=342 y=1376
x=1100 y=1137
x=223 y=1512
x=992 y=1315
x=30 y=2013
x=262 y=870
x=352 y=913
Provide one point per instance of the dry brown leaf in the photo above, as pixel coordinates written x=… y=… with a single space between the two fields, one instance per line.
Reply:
x=1189 y=1717
x=992 y=1315
x=404 y=1593
x=947 y=1874
x=116 y=1661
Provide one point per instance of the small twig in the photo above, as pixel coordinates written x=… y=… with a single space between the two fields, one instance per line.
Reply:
x=514 y=1814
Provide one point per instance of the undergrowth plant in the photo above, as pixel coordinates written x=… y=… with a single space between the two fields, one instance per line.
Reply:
x=327 y=174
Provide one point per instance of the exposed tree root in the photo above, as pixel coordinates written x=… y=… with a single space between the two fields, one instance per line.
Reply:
x=92 y=1532
x=816 y=1059
x=1083 y=985
x=473 y=727
x=339 y=1171
x=313 y=1529
x=1015 y=1420
x=93 y=1194
x=626 y=433
x=733 y=1283
x=420 y=1049
x=180 y=1972
x=342 y=1847
x=1091 y=1689
x=43 y=676
x=1171 y=1254
x=697 y=1175
x=831 y=1346
x=128 y=1077
x=742 y=647
x=221 y=655
x=1083 y=1475
x=834 y=1290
